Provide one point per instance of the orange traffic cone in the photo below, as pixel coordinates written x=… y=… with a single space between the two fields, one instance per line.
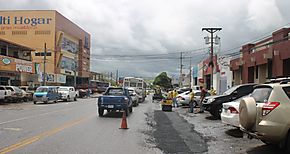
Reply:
x=124 y=121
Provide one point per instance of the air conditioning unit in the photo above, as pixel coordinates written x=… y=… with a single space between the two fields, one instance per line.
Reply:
x=267 y=55
x=276 y=52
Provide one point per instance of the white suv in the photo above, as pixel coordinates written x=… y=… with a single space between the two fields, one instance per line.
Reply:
x=265 y=115
x=67 y=93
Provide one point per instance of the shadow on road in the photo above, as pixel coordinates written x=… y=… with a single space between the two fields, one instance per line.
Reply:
x=266 y=149
x=211 y=118
x=237 y=133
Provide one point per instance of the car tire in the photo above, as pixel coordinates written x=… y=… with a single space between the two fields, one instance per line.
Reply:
x=216 y=110
x=101 y=112
x=75 y=99
x=248 y=112
x=34 y=102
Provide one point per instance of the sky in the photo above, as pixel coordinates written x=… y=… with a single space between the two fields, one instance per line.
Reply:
x=145 y=37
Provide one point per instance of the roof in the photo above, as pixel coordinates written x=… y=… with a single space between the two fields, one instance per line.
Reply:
x=13 y=44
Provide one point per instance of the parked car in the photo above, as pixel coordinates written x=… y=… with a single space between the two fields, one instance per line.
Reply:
x=16 y=93
x=184 y=98
x=28 y=93
x=265 y=115
x=134 y=96
x=46 y=94
x=115 y=99
x=67 y=93
x=213 y=104
x=5 y=94
x=230 y=112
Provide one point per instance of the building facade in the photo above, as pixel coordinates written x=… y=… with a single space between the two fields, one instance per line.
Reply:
x=268 y=58
x=60 y=47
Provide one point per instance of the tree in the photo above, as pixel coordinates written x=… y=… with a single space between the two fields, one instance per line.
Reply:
x=163 y=80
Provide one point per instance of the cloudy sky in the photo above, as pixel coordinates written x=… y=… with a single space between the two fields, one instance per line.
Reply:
x=145 y=37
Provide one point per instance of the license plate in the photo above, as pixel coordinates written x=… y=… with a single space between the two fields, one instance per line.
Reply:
x=110 y=106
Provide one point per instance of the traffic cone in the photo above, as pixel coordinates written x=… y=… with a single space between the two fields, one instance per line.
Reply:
x=124 y=121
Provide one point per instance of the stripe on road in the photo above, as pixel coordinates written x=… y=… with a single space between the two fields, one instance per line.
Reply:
x=44 y=134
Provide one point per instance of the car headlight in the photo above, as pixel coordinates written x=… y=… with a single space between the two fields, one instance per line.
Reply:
x=210 y=100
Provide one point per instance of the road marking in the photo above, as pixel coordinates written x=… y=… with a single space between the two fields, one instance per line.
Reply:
x=44 y=134
x=29 y=117
x=13 y=129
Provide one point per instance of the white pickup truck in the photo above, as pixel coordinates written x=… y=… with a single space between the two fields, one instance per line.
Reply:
x=5 y=94
x=68 y=93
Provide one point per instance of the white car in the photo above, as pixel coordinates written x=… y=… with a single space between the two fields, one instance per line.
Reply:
x=230 y=112
x=134 y=96
x=67 y=93
x=183 y=98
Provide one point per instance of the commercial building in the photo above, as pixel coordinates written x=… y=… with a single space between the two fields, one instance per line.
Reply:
x=267 y=58
x=16 y=67
x=56 y=42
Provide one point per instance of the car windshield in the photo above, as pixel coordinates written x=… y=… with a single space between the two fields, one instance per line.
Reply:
x=62 y=89
x=261 y=95
x=41 y=89
x=229 y=91
x=10 y=88
x=115 y=92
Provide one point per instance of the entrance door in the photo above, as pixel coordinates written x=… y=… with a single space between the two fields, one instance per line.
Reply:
x=251 y=71
x=286 y=70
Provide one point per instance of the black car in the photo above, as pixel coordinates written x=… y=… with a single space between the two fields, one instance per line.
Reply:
x=213 y=104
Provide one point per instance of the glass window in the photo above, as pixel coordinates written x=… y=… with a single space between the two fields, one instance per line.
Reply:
x=132 y=84
x=62 y=89
x=287 y=91
x=41 y=89
x=229 y=91
x=115 y=92
x=67 y=63
x=139 y=85
x=261 y=94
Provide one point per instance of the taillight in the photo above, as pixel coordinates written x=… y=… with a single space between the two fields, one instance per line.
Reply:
x=233 y=110
x=268 y=107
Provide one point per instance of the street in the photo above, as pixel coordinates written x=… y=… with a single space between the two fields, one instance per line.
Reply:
x=75 y=127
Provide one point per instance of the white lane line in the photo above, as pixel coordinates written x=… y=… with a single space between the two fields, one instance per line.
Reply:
x=12 y=129
x=29 y=117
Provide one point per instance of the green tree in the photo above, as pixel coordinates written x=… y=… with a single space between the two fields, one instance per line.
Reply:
x=163 y=80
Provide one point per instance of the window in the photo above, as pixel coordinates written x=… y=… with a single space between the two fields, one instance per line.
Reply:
x=269 y=68
x=261 y=94
x=2 y=32
x=42 y=32
x=3 y=51
x=257 y=72
x=42 y=54
x=287 y=91
x=19 y=32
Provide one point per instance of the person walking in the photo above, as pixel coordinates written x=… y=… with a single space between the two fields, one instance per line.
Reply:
x=191 y=101
x=175 y=98
x=202 y=96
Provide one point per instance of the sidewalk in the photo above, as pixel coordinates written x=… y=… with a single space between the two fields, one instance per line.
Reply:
x=96 y=95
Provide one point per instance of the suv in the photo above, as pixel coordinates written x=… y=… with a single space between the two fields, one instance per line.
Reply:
x=265 y=115
x=5 y=94
x=67 y=93
x=214 y=104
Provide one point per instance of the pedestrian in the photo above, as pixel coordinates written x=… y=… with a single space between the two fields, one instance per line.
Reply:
x=175 y=98
x=202 y=96
x=191 y=101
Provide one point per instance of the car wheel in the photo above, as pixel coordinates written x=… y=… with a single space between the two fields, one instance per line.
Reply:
x=247 y=114
x=216 y=110
x=131 y=109
x=34 y=102
x=101 y=112
x=75 y=99
x=127 y=111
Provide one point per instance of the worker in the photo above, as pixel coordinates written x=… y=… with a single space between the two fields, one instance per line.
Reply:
x=175 y=98
x=191 y=101
x=212 y=91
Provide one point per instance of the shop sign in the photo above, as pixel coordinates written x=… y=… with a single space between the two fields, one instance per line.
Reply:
x=6 y=61
x=23 y=68
x=60 y=78
x=50 y=78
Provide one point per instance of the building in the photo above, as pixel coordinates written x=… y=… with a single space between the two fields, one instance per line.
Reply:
x=16 y=67
x=259 y=61
x=67 y=46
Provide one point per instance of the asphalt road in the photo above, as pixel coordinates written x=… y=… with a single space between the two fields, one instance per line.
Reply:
x=72 y=127
x=75 y=127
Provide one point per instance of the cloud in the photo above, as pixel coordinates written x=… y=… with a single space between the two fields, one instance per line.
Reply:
x=130 y=27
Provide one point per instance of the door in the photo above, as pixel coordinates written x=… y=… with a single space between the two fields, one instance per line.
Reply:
x=251 y=74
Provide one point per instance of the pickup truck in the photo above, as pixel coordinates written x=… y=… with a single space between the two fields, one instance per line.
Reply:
x=115 y=99
x=5 y=94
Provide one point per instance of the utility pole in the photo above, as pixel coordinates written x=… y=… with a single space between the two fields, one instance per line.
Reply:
x=190 y=72
x=211 y=63
x=111 y=77
x=180 y=75
x=44 y=63
x=117 y=74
